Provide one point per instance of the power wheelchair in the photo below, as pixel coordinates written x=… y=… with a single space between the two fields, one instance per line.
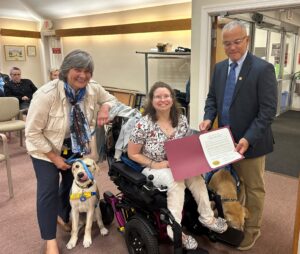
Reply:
x=140 y=209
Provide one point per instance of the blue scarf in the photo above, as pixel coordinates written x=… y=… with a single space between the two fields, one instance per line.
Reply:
x=80 y=131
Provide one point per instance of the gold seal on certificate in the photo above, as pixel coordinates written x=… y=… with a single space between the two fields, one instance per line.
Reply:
x=216 y=163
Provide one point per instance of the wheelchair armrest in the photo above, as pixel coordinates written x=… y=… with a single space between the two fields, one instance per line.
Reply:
x=127 y=172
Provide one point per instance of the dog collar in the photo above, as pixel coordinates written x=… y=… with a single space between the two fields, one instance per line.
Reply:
x=85 y=187
x=83 y=196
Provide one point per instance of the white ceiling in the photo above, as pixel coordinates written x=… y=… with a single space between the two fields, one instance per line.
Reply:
x=37 y=10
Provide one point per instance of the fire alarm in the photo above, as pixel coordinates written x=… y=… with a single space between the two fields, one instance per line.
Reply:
x=47 y=24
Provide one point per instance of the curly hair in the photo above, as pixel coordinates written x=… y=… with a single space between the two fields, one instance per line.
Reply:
x=150 y=110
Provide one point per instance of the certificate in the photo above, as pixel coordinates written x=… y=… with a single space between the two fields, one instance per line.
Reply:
x=218 y=147
x=197 y=154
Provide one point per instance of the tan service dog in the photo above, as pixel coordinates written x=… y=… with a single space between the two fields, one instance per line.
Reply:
x=224 y=184
x=84 y=198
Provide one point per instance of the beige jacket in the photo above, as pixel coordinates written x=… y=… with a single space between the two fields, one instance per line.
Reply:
x=48 y=116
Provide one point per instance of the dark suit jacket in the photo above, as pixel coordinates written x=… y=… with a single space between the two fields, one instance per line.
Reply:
x=253 y=105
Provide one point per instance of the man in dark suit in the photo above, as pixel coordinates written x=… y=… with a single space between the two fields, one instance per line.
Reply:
x=243 y=93
x=23 y=89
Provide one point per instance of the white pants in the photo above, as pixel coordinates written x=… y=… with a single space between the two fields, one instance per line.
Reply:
x=175 y=194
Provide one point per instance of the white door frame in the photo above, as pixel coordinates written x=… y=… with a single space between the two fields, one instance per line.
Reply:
x=202 y=54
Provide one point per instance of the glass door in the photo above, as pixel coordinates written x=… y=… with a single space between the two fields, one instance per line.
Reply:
x=277 y=47
x=288 y=71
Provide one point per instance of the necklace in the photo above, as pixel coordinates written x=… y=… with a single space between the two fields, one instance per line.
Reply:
x=166 y=128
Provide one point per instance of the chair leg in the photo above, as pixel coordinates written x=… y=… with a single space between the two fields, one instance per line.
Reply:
x=9 y=178
x=21 y=137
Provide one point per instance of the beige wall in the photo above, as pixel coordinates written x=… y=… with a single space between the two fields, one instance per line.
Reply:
x=31 y=67
x=116 y=61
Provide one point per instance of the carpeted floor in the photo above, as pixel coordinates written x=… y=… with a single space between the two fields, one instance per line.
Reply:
x=286 y=156
x=20 y=233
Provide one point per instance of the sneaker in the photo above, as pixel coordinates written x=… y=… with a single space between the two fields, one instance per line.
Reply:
x=219 y=225
x=189 y=242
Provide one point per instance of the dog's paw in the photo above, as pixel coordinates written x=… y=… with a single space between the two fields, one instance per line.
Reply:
x=87 y=242
x=103 y=231
x=71 y=244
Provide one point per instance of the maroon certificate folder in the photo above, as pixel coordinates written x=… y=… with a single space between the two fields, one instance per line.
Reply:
x=186 y=157
x=191 y=156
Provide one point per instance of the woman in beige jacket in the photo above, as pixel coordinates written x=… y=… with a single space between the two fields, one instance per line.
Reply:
x=60 y=122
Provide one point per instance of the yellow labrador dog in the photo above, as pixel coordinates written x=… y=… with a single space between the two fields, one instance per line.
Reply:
x=224 y=184
x=84 y=198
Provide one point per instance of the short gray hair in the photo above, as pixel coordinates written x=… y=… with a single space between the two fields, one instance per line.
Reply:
x=233 y=24
x=14 y=69
x=76 y=59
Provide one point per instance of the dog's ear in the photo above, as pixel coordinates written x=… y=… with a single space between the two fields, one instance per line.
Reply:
x=246 y=211
x=74 y=166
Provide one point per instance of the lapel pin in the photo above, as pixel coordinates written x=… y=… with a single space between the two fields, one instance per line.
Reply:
x=240 y=78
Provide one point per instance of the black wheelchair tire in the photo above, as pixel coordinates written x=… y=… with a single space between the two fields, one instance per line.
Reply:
x=139 y=239
x=107 y=212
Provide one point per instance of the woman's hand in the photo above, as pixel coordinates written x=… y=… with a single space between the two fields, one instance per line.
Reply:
x=159 y=165
x=58 y=161
x=103 y=115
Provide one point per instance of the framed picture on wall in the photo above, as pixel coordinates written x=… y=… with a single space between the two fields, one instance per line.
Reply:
x=14 y=53
x=31 y=50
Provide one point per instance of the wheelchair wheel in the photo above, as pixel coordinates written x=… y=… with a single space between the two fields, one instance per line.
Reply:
x=107 y=212
x=139 y=239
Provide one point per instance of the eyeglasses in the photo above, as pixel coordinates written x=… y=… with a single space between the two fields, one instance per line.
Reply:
x=236 y=42
x=161 y=97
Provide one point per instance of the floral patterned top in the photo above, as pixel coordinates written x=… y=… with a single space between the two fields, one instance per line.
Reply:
x=150 y=135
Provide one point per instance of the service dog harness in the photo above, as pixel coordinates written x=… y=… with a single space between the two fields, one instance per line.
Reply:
x=234 y=174
x=84 y=195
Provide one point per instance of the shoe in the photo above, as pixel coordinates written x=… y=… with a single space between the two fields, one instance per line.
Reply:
x=219 y=225
x=65 y=226
x=249 y=240
x=189 y=242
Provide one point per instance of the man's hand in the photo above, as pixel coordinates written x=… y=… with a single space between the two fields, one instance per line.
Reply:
x=242 y=146
x=205 y=125
x=103 y=115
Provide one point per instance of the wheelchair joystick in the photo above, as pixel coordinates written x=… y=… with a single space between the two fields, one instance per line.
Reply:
x=150 y=177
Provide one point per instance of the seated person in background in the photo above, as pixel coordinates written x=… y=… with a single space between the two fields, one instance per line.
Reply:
x=23 y=89
x=162 y=121
x=54 y=73
x=4 y=79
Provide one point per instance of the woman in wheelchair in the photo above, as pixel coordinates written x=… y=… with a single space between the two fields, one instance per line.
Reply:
x=162 y=121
